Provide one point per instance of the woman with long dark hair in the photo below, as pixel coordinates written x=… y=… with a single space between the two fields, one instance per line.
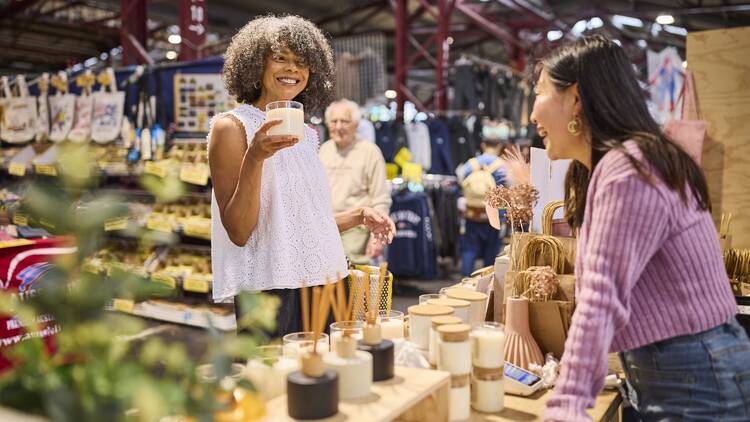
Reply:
x=651 y=282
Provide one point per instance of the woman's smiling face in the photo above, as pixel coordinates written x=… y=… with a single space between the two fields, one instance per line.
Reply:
x=285 y=76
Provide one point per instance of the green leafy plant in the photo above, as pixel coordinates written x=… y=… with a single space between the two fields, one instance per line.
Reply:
x=97 y=372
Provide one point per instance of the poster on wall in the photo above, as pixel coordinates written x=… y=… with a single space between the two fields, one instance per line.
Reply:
x=197 y=98
x=665 y=78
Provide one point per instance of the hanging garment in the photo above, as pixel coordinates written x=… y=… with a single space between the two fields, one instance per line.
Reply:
x=463 y=145
x=418 y=137
x=412 y=252
x=464 y=84
x=440 y=147
x=384 y=140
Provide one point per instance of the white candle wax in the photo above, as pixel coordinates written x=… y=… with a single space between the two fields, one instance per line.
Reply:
x=455 y=357
x=392 y=329
x=336 y=335
x=488 y=348
x=293 y=122
x=295 y=349
x=355 y=374
x=434 y=353
x=460 y=403
x=270 y=380
x=488 y=396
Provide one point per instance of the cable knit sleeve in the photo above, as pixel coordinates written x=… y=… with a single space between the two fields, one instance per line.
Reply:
x=626 y=222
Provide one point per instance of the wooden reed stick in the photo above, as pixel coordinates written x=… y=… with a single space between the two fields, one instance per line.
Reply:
x=369 y=318
x=333 y=300
x=343 y=306
x=325 y=307
x=315 y=317
x=350 y=304
x=305 y=310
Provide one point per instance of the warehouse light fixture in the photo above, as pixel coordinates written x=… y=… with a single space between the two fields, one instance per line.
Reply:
x=655 y=29
x=449 y=40
x=595 y=22
x=171 y=55
x=619 y=21
x=579 y=27
x=390 y=94
x=684 y=64
x=676 y=30
x=554 y=35
x=174 y=39
x=642 y=43
x=665 y=19
x=618 y=42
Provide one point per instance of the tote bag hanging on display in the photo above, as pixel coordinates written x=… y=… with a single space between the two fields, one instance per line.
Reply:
x=687 y=133
x=62 y=109
x=42 y=117
x=81 y=131
x=106 y=121
x=18 y=124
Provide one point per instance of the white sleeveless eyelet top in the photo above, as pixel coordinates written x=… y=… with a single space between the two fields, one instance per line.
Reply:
x=296 y=242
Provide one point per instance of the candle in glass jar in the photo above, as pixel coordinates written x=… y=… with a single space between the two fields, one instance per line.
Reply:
x=297 y=343
x=352 y=329
x=460 y=307
x=420 y=321
x=455 y=349
x=460 y=403
x=477 y=303
x=391 y=324
x=488 y=395
x=354 y=368
x=488 y=345
x=434 y=352
x=269 y=377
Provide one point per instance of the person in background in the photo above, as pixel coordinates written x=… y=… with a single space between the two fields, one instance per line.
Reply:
x=273 y=227
x=356 y=172
x=477 y=176
x=650 y=278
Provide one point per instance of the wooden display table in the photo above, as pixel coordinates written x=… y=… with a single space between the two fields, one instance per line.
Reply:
x=423 y=395
x=606 y=408
x=412 y=395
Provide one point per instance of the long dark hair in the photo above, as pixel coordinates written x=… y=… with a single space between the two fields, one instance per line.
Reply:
x=615 y=111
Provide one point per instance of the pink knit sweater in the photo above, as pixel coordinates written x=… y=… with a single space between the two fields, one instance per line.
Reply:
x=648 y=268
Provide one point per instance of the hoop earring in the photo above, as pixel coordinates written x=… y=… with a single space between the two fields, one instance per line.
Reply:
x=256 y=85
x=574 y=126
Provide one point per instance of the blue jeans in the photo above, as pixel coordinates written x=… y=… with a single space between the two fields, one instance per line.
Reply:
x=698 y=377
x=480 y=240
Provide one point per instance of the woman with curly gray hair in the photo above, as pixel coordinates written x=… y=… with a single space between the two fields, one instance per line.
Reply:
x=273 y=226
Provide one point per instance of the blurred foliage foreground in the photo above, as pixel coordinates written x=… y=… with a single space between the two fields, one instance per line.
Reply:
x=96 y=373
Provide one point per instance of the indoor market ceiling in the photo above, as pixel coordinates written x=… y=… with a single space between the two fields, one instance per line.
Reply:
x=48 y=35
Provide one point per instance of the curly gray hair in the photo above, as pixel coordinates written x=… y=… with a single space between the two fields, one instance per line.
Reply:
x=245 y=58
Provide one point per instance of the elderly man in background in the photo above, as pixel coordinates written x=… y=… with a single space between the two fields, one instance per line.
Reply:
x=356 y=171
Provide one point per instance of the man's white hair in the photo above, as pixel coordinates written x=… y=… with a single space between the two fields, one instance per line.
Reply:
x=354 y=112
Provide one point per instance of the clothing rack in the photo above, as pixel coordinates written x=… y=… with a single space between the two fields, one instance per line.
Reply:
x=502 y=66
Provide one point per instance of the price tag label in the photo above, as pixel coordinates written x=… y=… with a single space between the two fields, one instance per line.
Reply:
x=46 y=169
x=20 y=219
x=159 y=223
x=412 y=172
x=157 y=168
x=195 y=285
x=115 y=224
x=17 y=169
x=164 y=279
x=196 y=174
x=123 y=305
x=198 y=227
